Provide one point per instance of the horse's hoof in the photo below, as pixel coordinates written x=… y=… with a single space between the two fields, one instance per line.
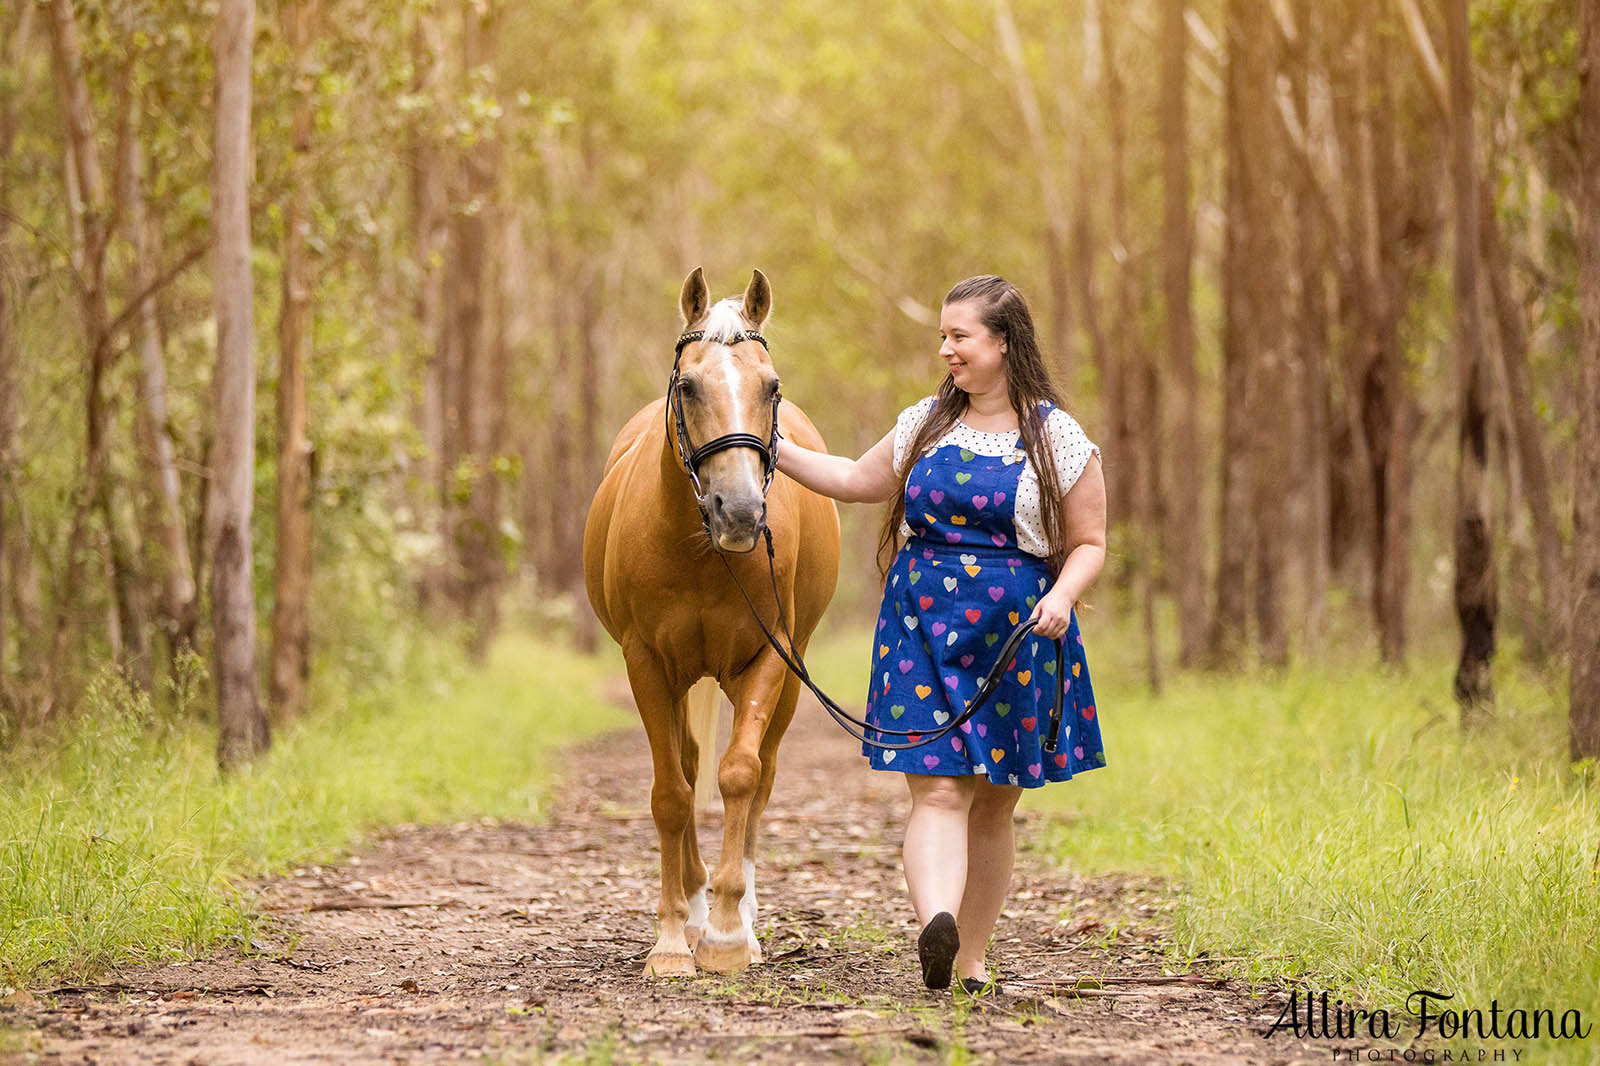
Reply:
x=691 y=933
x=722 y=956
x=755 y=951
x=661 y=964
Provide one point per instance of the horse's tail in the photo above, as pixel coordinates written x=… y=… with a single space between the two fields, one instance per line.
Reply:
x=705 y=698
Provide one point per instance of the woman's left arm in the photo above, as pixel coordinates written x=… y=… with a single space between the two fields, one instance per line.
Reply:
x=1083 y=523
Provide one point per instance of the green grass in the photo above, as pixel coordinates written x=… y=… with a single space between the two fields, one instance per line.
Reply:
x=121 y=844
x=1338 y=817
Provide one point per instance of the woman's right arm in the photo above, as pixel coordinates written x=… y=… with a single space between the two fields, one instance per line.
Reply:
x=869 y=479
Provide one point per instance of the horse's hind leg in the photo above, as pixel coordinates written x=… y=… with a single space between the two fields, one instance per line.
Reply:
x=672 y=806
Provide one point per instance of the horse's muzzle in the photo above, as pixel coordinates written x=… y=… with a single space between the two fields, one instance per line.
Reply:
x=735 y=522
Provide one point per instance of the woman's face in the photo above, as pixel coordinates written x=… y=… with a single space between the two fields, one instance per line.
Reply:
x=974 y=356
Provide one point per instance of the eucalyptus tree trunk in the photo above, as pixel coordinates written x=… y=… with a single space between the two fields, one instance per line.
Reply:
x=1474 y=578
x=1528 y=450
x=1083 y=232
x=1117 y=383
x=1235 y=531
x=1584 y=686
x=89 y=210
x=1527 y=436
x=476 y=524
x=1379 y=382
x=16 y=28
x=1185 y=543
x=1057 y=219
x=1252 y=46
x=291 y=575
x=242 y=725
x=166 y=535
x=430 y=243
x=1312 y=460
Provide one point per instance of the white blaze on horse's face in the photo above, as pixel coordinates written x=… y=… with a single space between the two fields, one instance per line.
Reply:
x=729 y=388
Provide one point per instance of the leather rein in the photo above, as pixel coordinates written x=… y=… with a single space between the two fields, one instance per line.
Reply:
x=692 y=457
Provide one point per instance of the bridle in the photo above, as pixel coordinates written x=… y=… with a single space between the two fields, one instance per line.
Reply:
x=692 y=457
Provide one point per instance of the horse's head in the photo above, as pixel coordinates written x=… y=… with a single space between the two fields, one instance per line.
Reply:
x=724 y=400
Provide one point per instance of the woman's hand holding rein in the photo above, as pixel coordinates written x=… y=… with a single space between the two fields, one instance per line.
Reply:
x=869 y=479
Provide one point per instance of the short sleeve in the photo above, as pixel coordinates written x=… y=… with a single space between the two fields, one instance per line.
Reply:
x=1070 y=446
x=905 y=430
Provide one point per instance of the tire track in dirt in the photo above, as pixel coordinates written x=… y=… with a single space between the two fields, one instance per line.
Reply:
x=501 y=942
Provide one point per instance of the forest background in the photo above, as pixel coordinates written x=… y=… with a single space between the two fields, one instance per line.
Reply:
x=317 y=320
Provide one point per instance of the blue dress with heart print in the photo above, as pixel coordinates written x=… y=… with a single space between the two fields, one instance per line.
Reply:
x=957 y=589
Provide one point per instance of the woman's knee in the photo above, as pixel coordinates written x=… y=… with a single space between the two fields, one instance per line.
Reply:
x=941 y=793
x=994 y=804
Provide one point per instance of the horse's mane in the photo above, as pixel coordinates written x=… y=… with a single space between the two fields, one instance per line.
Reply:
x=725 y=320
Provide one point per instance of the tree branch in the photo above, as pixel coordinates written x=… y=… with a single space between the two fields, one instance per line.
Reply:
x=1422 y=45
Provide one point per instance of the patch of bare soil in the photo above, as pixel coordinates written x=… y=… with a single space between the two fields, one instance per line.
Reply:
x=509 y=943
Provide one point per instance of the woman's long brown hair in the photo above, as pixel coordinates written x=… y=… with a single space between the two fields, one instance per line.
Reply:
x=1005 y=314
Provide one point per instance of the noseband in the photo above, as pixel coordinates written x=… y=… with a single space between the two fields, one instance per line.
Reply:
x=691 y=456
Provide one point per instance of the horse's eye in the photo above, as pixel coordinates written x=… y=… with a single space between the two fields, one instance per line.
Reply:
x=687 y=388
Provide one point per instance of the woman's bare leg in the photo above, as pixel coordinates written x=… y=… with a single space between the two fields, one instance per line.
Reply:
x=935 y=851
x=991 y=851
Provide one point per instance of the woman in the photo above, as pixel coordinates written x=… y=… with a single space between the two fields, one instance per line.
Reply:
x=1001 y=498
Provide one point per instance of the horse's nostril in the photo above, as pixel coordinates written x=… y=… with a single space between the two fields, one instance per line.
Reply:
x=716 y=503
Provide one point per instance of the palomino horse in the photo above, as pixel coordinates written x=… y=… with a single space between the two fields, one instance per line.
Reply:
x=650 y=561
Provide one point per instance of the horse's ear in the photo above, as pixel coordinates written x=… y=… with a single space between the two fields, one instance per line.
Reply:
x=695 y=299
x=758 y=299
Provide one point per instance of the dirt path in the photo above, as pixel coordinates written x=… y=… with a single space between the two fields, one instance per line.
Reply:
x=509 y=943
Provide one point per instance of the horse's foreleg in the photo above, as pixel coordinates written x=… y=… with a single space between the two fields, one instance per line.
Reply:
x=725 y=942
x=779 y=724
x=698 y=738
x=672 y=806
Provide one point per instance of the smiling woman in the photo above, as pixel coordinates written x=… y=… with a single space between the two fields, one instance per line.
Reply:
x=1003 y=513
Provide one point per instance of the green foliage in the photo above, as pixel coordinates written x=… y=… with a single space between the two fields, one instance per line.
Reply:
x=122 y=845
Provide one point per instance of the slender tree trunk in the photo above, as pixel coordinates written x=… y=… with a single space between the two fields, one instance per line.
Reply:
x=1584 y=686
x=1083 y=235
x=164 y=508
x=1129 y=384
x=1252 y=45
x=1310 y=349
x=430 y=244
x=1235 y=533
x=88 y=207
x=586 y=630
x=1386 y=416
x=1474 y=581
x=1057 y=220
x=1185 y=540
x=17 y=24
x=477 y=530
x=242 y=724
x=1526 y=436
x=1120 y=377
x=291 y=576
x=1513 y=346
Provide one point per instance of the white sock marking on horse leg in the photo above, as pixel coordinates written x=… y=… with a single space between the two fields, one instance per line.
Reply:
x=747 y=904
x=700 y=904
x=712 y=935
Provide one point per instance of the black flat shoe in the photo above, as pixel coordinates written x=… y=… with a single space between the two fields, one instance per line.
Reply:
x=937 y=947
x=975 y=987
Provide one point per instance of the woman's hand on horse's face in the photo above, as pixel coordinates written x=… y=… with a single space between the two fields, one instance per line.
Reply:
x=1054 y=612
